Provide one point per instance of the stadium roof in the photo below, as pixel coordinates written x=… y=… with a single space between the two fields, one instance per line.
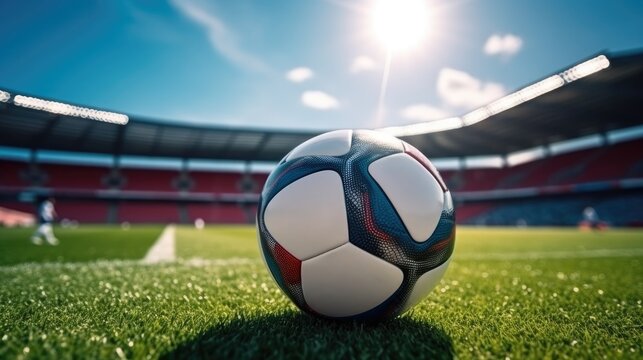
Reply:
x=573 y=107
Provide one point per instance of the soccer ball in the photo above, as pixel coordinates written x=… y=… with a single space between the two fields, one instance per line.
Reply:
x=356 y=224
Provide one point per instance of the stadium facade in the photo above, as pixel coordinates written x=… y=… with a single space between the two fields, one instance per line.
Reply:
x=565 y=142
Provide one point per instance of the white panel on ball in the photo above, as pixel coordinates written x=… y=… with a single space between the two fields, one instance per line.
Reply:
x=348 y=281
x=334 y=143
x=425 y=284
x=308 y=217
x=413 y=191
x=448 y=201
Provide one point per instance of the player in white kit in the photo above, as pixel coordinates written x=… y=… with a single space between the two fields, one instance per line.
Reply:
x=46 y=216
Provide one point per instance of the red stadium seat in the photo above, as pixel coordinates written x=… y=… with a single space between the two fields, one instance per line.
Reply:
x=466 y=211
x=82 y=211
x=220 y=213
x=148 y=179
x=605 y=163
x=148 y=212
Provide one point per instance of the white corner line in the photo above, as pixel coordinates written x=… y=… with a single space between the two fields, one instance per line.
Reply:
x=163 y=249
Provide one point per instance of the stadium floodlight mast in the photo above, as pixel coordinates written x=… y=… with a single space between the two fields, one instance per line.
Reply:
x=424 y=127
x=70 y=110
x=513 y=99
x=507 y=102
x=586 y=68
x=4 y=96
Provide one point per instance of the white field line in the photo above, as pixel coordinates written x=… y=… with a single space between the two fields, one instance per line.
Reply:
x=535 y=255
x=163 y=249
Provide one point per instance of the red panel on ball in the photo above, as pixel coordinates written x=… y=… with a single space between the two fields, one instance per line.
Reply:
x=289 y=265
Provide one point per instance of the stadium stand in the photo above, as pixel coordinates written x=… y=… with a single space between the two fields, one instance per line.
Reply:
x=221 y=213
x=616 y=210
x=636 y=171
x=72 y=177
x=148 y=179
x=10 y=174
x=551 y=190
x=83 y=211
x=542 y=172
x=216 y=182
x=467 y=212
x=608 y=163
x=476 y=179
x=614 y=162
x=142 y=212
x=82 y=183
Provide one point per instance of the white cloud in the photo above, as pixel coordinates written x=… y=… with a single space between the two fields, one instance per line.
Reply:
x=299 y=74
x=319 y=100
x=423 y=112
x=460 y=89
x=363 y=63
x=504 y=45
x=221 y=39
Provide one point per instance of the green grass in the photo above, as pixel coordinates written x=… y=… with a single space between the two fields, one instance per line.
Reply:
x=81 y=244
x=221 y=242
x=508 y=293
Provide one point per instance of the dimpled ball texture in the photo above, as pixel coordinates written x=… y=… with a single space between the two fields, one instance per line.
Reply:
x=356 y=224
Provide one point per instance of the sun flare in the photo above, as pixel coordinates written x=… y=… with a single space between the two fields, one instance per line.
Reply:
x=400 y=25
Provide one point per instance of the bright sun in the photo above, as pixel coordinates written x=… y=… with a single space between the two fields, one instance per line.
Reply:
x=400 y=24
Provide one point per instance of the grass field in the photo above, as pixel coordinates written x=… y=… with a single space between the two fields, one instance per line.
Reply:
x=82 y=244
x=546 y=293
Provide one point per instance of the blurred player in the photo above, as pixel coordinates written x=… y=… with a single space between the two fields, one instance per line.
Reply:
x=46 y=216
x=591 y=220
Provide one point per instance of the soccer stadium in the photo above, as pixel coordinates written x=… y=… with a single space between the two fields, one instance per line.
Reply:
x=128 y=230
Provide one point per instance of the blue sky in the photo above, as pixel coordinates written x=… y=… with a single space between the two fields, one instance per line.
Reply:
x=227 y=62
